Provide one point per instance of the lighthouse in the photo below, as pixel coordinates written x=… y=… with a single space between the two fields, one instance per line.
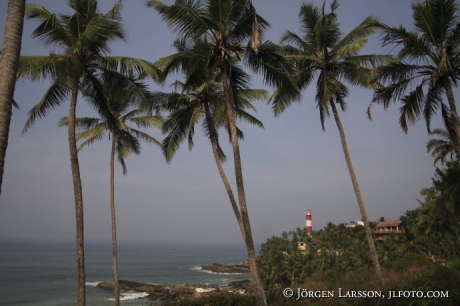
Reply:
x=308 y=227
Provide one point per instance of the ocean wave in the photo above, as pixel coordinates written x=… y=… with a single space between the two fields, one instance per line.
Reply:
x=203 y=290
x=125 y=296
x=92 y=284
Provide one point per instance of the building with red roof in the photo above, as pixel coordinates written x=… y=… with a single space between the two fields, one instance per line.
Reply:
x=385 y=228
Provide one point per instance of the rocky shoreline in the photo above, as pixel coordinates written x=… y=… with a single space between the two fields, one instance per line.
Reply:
x=231 y=268
x=166 y=294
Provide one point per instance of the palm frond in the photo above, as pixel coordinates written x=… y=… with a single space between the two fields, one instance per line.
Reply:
x=131 y=66
x=178 y=126
x=81 y=124
x=356 y=38
x=411 y=108
x=148 y=121
x=115 y=12
x=41 y=67
x=91 y=135
x=442 y=148
x=186 y=17
x=241 y=114
x=96 y=95
x=293 y=40
x=277 y=72
x=50 y=31
x=54 y=97
x=146 y=137
x=185 y=60
x=432 y=101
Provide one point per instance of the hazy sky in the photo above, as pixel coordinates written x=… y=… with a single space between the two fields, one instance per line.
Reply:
x=289 y=167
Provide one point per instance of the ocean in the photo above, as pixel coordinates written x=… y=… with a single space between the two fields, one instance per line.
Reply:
x=44 y=274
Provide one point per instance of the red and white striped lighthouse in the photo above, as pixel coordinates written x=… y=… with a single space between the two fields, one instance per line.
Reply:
x=309 y=226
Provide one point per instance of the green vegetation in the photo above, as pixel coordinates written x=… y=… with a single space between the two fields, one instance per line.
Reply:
x=232 y=299
x=426 y=256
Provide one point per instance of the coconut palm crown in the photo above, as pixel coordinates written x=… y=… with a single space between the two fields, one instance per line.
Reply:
x=201 y=98
x=427 y=66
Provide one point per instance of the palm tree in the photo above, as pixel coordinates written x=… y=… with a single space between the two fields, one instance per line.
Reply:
x=430 y=58
x=8 y=67
x=124 y=105
x=441 y=148
x=83 y=39
x=232 y=30
x=322 y=50
x=202 y=100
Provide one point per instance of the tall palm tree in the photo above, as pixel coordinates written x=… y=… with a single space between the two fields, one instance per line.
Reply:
x=82 y=38
x=233 y=31
x=124 y=105
x=430 y=58
x=8 y=67
x=323 y=51
x=441 y=148
x=201 y=99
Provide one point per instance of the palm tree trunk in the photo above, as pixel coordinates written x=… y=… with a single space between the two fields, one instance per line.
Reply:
x=78 y=195
x=454 y=117
x=213 y=140
x=116 y=281
x=8 y=69
x=362 y=208
x=258 y=288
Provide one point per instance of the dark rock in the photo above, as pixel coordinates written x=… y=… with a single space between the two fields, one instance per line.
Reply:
x=231 y=268
x=164 y=292
x=243 y=286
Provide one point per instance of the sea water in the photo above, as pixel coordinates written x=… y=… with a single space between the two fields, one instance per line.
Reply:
x=40 y=274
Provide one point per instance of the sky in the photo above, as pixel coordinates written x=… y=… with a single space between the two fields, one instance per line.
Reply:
x=288 y=167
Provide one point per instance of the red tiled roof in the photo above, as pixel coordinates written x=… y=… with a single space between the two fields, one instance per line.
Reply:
x=389 y=223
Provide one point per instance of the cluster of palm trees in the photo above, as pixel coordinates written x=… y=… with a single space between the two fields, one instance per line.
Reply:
x=333 y=249
x=219 y=44
x=431 y=234
x=112 y=85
